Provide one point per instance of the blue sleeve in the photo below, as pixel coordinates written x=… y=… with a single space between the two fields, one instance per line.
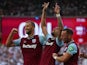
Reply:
x=72 y=49
x=43 y=39
x=17 y=41
x=48 y=36
x=59 y=42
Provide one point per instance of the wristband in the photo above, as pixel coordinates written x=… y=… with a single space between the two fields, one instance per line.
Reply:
x=57 y=15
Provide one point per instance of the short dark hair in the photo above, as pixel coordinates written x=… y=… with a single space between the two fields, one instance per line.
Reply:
x=32 y=22
x=69 y=31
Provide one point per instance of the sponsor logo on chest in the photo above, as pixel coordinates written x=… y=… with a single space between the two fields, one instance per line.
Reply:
x=33 y=40
x=49 y=43
x=29 y=46
x=26 y=45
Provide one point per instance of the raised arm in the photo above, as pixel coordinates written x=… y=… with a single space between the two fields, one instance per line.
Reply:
x=57 y=12
x=10 y=37
x=43 y=18
x=59 y=20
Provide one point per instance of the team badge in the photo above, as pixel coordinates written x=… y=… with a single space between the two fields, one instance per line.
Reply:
x=71 y=48
x=33 y=40
x=52 y=38
x=25 y=41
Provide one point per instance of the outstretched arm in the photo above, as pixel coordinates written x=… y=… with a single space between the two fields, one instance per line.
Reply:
x=59 y=20
x=43 y=18
x=10 y=37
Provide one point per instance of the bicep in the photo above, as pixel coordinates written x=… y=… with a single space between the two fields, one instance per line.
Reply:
x=66 y=56
x=44 y=30
x=72 y=49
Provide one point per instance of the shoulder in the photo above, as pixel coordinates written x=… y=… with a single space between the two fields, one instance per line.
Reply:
x=72 y=48
x=59 y=42
x=72 y=45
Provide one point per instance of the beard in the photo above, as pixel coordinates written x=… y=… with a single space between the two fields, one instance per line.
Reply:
x=29 y=32
x=67 y=41
x=53 y=34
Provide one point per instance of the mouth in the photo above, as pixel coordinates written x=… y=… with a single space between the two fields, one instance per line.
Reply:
x=28 y=32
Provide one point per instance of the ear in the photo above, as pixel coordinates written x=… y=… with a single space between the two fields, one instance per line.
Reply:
x=33 y=27
x=70 y=36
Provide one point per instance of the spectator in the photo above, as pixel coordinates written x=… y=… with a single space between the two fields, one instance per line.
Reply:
x=23 y=7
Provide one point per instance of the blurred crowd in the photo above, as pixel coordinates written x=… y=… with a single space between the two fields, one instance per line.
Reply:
x=10 y=56
x=34 y=7
x=13 y=55
x=83 y=49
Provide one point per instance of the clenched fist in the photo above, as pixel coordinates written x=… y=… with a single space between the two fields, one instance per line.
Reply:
x=14 y=30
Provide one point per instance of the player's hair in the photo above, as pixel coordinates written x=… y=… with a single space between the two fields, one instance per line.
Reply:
x=69 y=31
x=32 y=22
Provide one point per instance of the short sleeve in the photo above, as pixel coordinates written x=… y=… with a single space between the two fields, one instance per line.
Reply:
x=48 y=36
x=17 y=41
x=72 y=49
x=42 y=40
x=59 y=42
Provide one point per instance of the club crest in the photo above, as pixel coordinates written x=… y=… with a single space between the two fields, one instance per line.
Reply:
x=33 y=40
x=25 y=41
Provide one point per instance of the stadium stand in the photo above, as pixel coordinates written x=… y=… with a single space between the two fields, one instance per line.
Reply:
x=33 y=7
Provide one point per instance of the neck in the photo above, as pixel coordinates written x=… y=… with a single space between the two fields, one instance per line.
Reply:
x=54 y=36
x=30 y=35
x=70 y=40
